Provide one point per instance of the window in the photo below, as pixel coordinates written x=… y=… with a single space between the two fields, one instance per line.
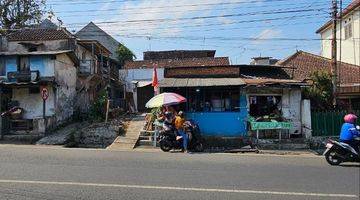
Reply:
x=213 y=100
x=348 y=30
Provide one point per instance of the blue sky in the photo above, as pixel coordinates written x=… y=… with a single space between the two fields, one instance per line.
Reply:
x=239 y=29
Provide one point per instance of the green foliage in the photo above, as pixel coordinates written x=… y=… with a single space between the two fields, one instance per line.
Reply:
x=320 y=93
x=124 y=54
x=20 y=13
x=97 y=110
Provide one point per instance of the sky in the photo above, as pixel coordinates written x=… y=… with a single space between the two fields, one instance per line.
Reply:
x=238 y=29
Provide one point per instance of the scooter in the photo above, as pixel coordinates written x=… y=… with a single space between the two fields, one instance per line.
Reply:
x=168 y=139
x=339 y=152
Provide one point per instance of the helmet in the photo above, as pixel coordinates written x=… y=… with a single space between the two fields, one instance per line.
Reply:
x=350 y=118
x=168 y=114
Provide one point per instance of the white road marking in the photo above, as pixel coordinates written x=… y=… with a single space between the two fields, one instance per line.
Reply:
x=177 y=188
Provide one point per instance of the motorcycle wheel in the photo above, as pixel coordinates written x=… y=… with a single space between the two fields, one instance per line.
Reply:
x=165 y=146
x=199 y=147
x=332 y=158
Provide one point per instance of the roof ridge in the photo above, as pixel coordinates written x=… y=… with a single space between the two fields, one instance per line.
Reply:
x=96 y=26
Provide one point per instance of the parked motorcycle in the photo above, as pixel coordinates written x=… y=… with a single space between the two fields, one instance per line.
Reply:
x=168 y=139
x=339 y=152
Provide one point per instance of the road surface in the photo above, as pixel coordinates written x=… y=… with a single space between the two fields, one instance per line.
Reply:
x=32 y=172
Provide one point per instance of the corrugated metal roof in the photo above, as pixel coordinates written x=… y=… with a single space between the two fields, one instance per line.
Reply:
x=204 y=82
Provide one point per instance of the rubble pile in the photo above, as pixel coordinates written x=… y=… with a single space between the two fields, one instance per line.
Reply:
x=99 y=135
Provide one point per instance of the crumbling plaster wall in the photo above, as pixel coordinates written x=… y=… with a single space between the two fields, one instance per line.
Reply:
x=32 y=103
x=65 y=77
x=291 y=108
x=54 y=45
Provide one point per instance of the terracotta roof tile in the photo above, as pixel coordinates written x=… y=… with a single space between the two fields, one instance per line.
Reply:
x=170 y=63
x=304 y=64
x=39 y=35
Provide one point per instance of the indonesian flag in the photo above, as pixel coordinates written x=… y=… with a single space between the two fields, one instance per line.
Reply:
x=155 y=82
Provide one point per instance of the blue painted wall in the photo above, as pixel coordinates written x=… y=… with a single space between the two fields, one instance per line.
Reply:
x=222 y=124
x=42 y=64
x=11 y=65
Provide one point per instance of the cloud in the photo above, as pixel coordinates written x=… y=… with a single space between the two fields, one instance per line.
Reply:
x=163 y=9
x=267 y=34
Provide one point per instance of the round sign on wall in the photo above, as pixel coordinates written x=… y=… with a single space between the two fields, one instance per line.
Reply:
x=44 y=93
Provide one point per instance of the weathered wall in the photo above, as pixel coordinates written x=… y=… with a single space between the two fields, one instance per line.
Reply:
x=291 y=108
x=33 y=103
x=65 y=77
x=54 y=45
x=306 y=118
x=44 y=64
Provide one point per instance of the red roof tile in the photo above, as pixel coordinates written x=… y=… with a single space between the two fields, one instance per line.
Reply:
x=170 y=63
x=39 y=35
x=304 y=64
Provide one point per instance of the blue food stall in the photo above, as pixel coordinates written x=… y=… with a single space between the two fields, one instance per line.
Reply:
x=218 y=105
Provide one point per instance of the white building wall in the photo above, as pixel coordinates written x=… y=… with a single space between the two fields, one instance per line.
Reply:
x=306 y=118
x=350 y=48
x=291 y=108
x=130 y=75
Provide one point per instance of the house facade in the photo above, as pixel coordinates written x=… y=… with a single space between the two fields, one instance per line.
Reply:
x=138 y=74
x=31 y=60
x=302 y=64
x=73 y=71
x=348 y=30
x=116 y=87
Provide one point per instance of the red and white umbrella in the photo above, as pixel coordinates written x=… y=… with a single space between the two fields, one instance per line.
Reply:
x=165 y=99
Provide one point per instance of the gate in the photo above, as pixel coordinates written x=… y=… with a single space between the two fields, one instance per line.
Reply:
x=328 y=123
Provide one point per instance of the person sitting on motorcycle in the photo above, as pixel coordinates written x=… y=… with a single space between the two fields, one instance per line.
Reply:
x=168 y=124
x=349 y=132
x=179 y=125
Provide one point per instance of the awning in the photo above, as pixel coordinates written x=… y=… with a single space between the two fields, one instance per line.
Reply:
x=203 y=82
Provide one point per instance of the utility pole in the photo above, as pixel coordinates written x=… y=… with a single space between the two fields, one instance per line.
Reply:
x=334 y=51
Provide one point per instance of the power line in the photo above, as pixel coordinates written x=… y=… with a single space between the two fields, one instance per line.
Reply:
x=207 y=17
x=176 y=11
x=234 y=22
x=186 y=5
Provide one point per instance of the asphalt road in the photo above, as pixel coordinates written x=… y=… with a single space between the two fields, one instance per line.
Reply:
x=28 y=172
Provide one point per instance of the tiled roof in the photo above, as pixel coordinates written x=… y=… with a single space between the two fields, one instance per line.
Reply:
x=178 y=54
x=352 y=6
x=169 y=63
x=304 y=64
x=39 y=35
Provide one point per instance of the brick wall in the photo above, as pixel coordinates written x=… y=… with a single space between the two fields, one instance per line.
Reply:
x=197 y=72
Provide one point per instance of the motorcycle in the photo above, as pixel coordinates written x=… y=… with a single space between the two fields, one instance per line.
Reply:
x=168 y=139
x=339 y=152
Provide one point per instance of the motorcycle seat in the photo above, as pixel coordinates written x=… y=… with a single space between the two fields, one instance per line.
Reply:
x=348 y=147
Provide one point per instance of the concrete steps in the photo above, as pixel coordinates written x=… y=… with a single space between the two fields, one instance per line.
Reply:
x=129 y=141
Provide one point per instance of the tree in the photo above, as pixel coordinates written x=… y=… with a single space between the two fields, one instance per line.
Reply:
x=320 y=92
x=20 y=13
x=124 y=54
